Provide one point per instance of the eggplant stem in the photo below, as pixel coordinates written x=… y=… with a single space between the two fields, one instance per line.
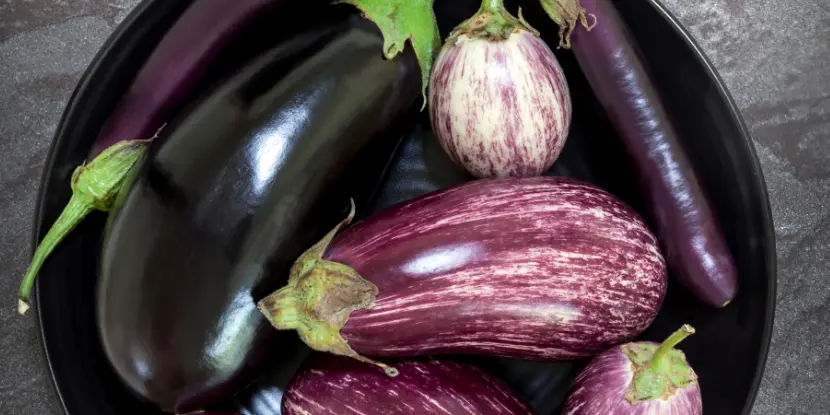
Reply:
x=94 y=187
x=678 y=336
x=492 y=22
x=659 y=371
x=566 y=14
x=76 y=210
x=493 y=6
x=319 y=298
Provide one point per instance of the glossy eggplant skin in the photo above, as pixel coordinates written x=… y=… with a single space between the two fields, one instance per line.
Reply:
x=689 y=232
x=328 y=383
x=542 y=268
x=256 y=173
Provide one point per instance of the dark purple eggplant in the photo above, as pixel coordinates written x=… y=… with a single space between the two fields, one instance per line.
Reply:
x=535 y=268
x=686 y=226
x=159 y=90
x=258 y=171
x=333 y=385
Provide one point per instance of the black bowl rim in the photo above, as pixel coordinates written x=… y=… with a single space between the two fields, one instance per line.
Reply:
x=126 y=26
x=769 y=228
x=96 y=66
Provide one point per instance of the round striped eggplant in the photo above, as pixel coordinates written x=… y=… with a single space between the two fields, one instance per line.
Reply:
x=638 y=379
x=328 y=385
x=535 y=268
x=499 y=102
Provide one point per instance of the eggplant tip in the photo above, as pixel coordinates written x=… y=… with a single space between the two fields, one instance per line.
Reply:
x=22 y=306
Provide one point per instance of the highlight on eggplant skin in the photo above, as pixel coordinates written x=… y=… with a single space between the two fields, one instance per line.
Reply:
x=258 y=170
x=328 y=382
x=541 y=268
x=678 y=205
x=499 y=102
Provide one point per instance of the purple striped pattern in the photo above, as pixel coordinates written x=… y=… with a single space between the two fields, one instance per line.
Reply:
x=335 y=385
x=500 y=108
x=601 y=387
x=540 y=268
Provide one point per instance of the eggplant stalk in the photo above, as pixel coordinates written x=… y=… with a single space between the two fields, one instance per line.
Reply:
x=567 y=14
x=94 y=187
x=660 y=372
x=319 y=298
x=492 y=22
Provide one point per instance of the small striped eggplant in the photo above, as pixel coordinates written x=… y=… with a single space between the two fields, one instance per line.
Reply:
x=328 y=385
x=638 y=379
x=536 y=268
x=499 y=102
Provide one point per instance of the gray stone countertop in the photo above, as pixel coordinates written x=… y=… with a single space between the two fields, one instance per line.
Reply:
x=774 y=56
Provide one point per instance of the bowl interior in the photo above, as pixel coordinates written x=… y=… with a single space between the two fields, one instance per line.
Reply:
x=729 y=350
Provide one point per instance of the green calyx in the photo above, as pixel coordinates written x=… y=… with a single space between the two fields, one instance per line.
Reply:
x=95 y=186
x=659 y=371
x=492 y=22
x=567 y=14
x=402 y=20
x=319 y=298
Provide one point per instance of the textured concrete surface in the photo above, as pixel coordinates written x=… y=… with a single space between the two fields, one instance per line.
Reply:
x=774 y=57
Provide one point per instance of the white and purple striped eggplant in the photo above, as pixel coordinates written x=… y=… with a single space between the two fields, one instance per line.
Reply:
x=499 y=102
x=333 y=385
x=537 y=268
x=641 y=378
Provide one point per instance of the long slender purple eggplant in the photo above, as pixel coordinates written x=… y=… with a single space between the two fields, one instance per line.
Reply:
x=688 y=230
x=537 y=268
x=332 y=385
x=499 y=102
x=638 y=379
x=159 y=90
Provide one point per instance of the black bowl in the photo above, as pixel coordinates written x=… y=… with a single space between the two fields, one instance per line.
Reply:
x=728 y=353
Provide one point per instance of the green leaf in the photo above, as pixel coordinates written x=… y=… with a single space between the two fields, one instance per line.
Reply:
x=400 y=20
